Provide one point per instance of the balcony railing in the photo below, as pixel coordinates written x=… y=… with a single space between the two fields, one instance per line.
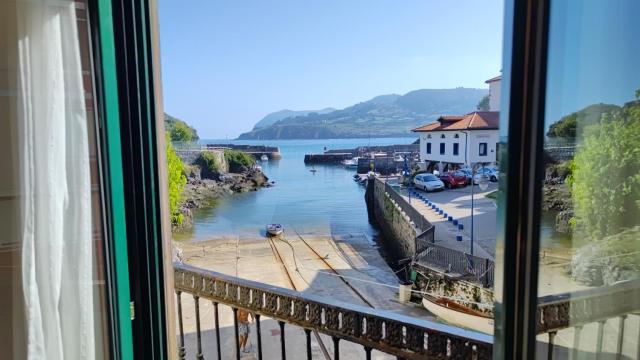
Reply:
x=398 y=335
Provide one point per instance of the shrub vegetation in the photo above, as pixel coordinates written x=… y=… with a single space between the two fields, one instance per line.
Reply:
x=176 y=182
x=238 y=161
x=210 y=166
x=605 y=174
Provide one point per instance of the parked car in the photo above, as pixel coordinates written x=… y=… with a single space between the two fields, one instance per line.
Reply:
x=467 y=174
x=428 y=182
x=453 y=179
x=491 y=174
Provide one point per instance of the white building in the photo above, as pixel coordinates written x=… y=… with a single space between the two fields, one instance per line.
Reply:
x=494 y=93
x=460 y=140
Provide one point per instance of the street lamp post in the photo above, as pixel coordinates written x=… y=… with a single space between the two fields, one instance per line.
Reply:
x=483 y=183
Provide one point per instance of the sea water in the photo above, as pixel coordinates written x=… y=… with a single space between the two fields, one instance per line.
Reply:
x=325 y=202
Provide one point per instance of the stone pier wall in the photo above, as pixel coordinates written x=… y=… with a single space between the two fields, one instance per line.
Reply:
x=400 y=232
x=189 y=156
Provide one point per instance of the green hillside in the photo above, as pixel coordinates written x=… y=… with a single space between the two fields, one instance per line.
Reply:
x=383 y=116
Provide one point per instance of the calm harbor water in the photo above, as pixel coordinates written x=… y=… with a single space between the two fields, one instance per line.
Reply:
x=325 y=202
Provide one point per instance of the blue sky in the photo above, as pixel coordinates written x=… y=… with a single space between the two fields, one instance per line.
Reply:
x=594 y=55
x=226 y=64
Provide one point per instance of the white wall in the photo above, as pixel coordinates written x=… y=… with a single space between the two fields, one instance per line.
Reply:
x=494 y=95
x=449 y=140
x=475 y=137
x=482 y=136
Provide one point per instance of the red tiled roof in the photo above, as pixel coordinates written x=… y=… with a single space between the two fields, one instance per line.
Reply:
x=499 y=77
x=477 y=120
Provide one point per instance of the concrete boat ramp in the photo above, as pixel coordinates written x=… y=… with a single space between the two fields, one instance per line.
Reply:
x=344 y=268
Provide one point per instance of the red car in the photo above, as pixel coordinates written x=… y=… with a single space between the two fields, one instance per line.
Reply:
x=453 y=179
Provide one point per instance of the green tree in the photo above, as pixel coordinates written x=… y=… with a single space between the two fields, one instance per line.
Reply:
x=605 y=174
x=483 y=105
x=179 y=131
x=569 y=125
x=176 y=181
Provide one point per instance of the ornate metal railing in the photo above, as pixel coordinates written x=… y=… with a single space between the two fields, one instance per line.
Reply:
x=592 y=306
x=398 y=335
x=391 y=333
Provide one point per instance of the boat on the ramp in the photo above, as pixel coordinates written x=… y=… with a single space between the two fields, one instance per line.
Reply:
x=457 y=314
x=275 y=229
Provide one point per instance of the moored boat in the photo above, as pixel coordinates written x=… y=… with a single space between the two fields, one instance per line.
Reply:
x=274 y=229
x=353 y=162
x=459 y=315
x=264 y=157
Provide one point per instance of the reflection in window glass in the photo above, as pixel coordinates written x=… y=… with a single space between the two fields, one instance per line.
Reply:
x=51 y=270
x=590 y=221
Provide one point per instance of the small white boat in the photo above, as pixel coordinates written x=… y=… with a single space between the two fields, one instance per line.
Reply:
x=459 y=315
x=264 y=157
x=274 y=229
x=350 y=162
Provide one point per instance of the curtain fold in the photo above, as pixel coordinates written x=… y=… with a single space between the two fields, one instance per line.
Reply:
x=57 y=256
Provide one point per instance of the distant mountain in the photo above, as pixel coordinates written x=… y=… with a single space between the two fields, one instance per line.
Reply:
x=283 y=114
x=383 y=116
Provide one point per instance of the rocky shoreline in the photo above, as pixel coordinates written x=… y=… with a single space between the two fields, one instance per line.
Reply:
x=557 y=197
x=203 y=192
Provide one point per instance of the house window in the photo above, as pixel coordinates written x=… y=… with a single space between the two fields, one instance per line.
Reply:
x=457 y=136
x=483 y=149
x=429 y=136
x=429 y=148
x=442 y=136
x=442 y=148
x=456 y=148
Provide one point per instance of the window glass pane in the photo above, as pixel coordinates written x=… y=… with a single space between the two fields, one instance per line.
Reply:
x=590 y=220
x=52 y=284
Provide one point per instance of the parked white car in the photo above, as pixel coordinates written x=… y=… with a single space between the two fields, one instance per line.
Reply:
x=492 y=175
x=428 y=182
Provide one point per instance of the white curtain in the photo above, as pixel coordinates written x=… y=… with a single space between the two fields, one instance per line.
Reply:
x=57 y=263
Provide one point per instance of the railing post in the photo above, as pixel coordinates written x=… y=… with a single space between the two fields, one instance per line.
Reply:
x=235 y=331
x=196 y=300
x=336 y=348
x=551 y=346
x=282 y=342
x=307 y=333
x=599 y=338
x=182 y=352
x=259 y=336
x=486 y=273
x=620 y=334
x=576 y=342
x=367 y=352
x=217 y=325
